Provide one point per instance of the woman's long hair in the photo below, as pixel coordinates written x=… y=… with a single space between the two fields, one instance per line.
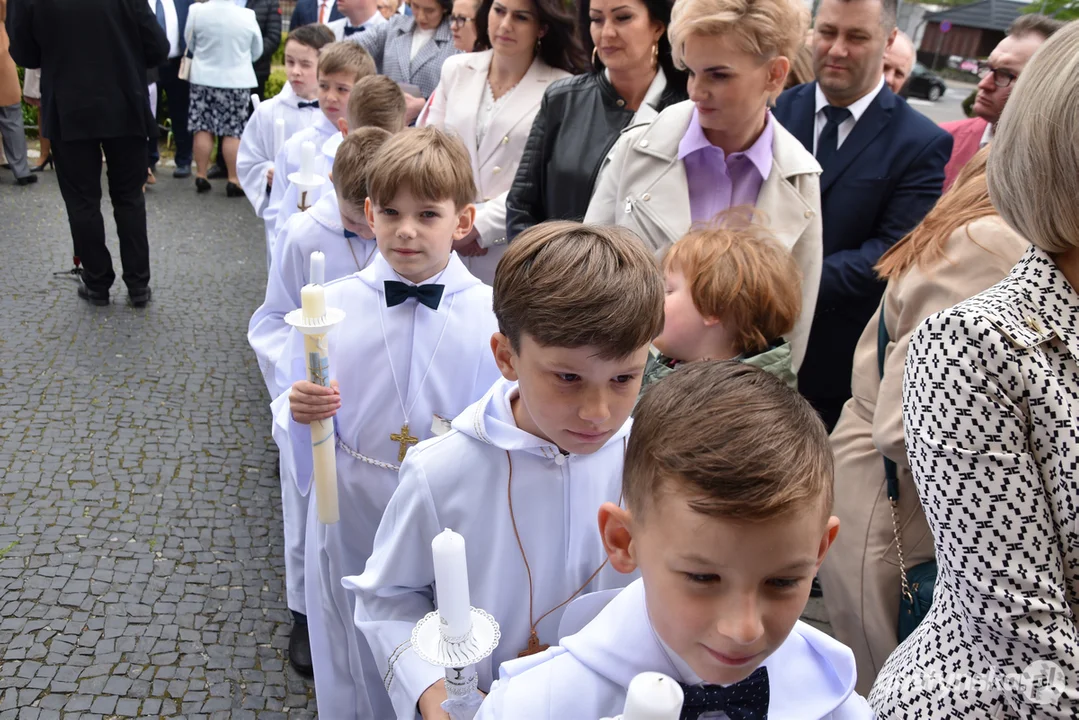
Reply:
x=658 y=11
x=560 y=47
x=966 y=201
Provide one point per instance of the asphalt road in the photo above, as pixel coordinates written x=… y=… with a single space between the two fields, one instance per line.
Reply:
x=949 y=107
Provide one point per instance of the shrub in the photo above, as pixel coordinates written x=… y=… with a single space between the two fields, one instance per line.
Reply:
x=275 y=82
x=279 y=55
x=29 y=112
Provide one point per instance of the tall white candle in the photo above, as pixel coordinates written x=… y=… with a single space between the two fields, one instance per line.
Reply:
x=451 y=584
x=278 y=135
x=307 y=159
x=318 y=268
x=323 y=452
x=653 y=696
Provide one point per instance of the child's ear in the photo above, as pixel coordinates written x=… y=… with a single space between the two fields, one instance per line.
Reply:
x=369 y=212
x=505 y=358
x=342 y=125
x=465 y=219
x=329 y=176
x=615 y=527
x=830 y=532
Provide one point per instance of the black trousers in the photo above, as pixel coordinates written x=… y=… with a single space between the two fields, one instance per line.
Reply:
x=179 y=95
x=78 y=170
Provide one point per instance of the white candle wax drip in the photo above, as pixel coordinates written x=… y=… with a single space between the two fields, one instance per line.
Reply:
x=318 y=268
x=451 y=584
x=653 y=696
x=307 y=159
x=278 y=135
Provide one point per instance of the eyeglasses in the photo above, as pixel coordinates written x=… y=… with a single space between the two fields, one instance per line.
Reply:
x=1001 y=78
x=459 y=20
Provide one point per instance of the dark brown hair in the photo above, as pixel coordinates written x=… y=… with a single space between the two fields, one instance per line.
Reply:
x=433 y=166
x=314 y=36
x=376 y=101
x=570 y=285
x=731 y=438
x=352 y=161
x=1035 y=23
x=560 y=47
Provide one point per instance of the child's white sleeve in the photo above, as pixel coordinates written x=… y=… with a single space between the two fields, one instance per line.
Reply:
x=277 y=192
x=255 y=157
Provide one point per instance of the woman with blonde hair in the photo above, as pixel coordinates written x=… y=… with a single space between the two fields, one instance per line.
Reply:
x=961 y=248
x=991 y=395
x=723 y=148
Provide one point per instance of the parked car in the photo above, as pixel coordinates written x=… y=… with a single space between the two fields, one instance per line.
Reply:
x=924 y=83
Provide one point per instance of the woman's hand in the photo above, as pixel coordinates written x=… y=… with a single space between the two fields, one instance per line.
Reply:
x=413 y=108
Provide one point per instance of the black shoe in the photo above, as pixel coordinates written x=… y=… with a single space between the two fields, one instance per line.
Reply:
x=299 y=651
x=182 y=171
x=202 y=185
x=6 y=166
x=46 y=163
x=139 y=298
x=94 y=297
x=217 y=172
x=28 y=180
x=234 y=190
x=815 y=589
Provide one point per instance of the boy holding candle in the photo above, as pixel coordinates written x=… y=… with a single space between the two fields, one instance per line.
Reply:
x=339 y=68
x=295 y=105
x=411 y=349
x=524 y=470
x=728 y=490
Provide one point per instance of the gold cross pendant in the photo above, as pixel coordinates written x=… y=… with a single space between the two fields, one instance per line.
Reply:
x=534 y=646
x=405 y=440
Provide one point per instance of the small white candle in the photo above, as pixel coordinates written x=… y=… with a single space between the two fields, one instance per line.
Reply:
x=307 y=159
x=451 y=584
x=318 y=268
x=313 y=302
x=278 y=135
x=653 y=696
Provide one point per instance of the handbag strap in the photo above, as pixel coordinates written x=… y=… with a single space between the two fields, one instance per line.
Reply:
x=891 y=471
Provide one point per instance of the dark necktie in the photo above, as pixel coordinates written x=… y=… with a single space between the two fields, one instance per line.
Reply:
x=159 y=10
x=398 y=292
x=745 y=700
x=350 y=29
x=312 y=104
x=828 y=143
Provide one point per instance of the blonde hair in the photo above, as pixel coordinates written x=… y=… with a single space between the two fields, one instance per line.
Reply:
x=433 y=166
x=742 y=275
x=569 y=285
x=341 y=57
x=1035 y=158
x=377 y=101
x=353 y=158
x=966 y=201
x=764 y=28
x=731 y=438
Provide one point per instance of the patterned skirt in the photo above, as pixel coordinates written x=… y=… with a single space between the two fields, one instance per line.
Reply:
x=221 y=111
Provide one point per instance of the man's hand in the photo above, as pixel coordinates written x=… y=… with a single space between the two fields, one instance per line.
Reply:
x=469 y=246
x=310 y=402
x=413 y=108
x=430 y=704
x=269 y=177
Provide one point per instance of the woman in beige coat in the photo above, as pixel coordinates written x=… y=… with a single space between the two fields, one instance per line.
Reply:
x=961 y=248
x=722 y=148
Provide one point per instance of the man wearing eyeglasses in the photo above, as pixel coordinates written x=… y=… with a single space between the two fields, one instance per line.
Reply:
x=998 y=76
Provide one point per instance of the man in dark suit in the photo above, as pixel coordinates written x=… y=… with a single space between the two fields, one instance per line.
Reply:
x=172 y=16
x=307 y=12
x=90 y=107
x=883 y=168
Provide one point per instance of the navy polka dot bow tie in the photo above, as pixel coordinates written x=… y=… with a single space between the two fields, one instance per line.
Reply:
x=398 y=292
x=350 y=30
x=745 y=700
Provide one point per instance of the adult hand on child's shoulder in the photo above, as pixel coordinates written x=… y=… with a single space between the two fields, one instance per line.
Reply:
x=310 y=402
x=430 y=703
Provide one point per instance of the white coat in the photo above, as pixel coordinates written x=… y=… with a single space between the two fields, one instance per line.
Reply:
x=643 y=187
x=224 y=40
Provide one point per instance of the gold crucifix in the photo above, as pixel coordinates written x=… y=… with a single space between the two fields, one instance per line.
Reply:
x=404 y=439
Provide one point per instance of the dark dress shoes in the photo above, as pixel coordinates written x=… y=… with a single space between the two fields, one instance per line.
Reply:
x=182 y=171
x=234 y=190
x=27 y=180
x=202 y=185
x=94 y=297
x=140 y=298
x=299 y=650
x=216 y=172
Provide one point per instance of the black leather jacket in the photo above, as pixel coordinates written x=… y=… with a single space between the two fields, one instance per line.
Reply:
x=577 y=125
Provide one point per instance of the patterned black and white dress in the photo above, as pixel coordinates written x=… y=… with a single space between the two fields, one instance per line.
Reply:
x=991 y=401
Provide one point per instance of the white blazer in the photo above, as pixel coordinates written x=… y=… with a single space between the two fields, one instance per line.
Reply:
x=454 y=107
x=224 y=41
x=643 y=187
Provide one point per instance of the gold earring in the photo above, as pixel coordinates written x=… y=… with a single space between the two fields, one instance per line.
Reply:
x=595 y=51
x=655 y=56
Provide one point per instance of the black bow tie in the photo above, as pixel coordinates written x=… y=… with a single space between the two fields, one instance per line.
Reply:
x=398 y=292
x=745 y=700
x=349 y=234
x=312 y=104
x=350 y=29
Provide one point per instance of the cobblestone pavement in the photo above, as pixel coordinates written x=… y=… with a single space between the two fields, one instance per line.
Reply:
x=140 y=526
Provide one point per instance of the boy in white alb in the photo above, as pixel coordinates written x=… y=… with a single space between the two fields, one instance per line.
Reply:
x=359 y=16
x=413 y=347
x=296 y=105
x=525 y=470
x=728 y=490
x=339 y=68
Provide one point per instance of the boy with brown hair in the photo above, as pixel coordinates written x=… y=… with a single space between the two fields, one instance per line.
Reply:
x=728 y=491
x=524 y=470
x=411 y=348
x=733 y=293
x=340 y=67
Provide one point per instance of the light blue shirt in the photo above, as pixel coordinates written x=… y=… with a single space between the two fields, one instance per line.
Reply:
x=240 y=3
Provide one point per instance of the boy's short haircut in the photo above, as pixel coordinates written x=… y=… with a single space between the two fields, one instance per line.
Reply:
x=314 y=36
x=739 y=272
x=433 y=166
x=339 y=57
x=731 y=438
x=565 y=284
x=377 y=101
x=352 y=161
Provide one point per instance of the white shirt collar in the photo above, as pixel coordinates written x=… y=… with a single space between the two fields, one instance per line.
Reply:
x=987 y=136
x=858 y=107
